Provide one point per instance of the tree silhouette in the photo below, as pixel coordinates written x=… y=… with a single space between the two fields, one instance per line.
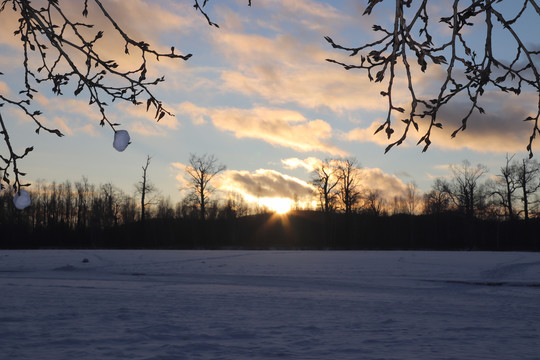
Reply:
x=528 y=178
x=201 y=171
x=61 y=50
x=464 y=189
x=469 y=70
x=145 y=188
x=326 y=179
x=437 y=200
x=350 y=189
x=505 y=186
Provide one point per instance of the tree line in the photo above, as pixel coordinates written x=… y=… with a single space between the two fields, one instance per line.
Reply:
x=468 y=206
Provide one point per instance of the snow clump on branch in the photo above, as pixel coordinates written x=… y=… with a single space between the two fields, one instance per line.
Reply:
x=121 y=140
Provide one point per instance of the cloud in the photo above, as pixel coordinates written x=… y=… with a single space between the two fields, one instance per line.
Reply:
x=8 y=25
x=278 y=127
x=501 y=129
x=284 y=70
x=369 y=178
x=68 y=115
x=264 y=183
x=307 y=8
x=368 y=134
x=389 y=185
x=309 y=164
x=4 y=89
x=143 y=122
x=259 y=184
x=141 y=20
x=196 y=113
x=147 y=21
x=61 y=125
x=183 y=183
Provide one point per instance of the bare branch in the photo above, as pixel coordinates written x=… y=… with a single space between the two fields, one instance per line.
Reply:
x=466 y=72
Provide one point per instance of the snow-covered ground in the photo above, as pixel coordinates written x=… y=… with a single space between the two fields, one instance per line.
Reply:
x=268 y=304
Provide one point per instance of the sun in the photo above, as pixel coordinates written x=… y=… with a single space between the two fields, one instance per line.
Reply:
x=278 y=205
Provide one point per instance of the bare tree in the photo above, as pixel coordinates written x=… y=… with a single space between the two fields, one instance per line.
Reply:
x=505 y=186
x=350 y=189
x=470 y=68
x=325 y=178
x=107 y=209
x=82 y=202
x=464 y=189
x=145 y=188
x=201 y=170
x=436 y=201
x=128 y=209
x=528 y=178
x=373 y=202
x=412 y=198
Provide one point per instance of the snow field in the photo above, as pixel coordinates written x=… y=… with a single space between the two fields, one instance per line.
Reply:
x=268 y=304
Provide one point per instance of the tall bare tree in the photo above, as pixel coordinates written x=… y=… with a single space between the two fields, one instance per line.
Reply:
x=145 y=188
x=528 y=177
x=373 y=202
x=326 y=179
x=201 y=170
x=412 y=198
x=505 y=186
x=350 y=189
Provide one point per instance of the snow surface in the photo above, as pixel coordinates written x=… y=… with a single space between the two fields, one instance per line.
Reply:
x=136 y=304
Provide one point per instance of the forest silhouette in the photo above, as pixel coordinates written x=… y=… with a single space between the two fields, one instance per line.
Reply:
x=448 y=217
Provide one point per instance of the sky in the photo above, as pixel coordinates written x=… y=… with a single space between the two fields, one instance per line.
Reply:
x=258 y=94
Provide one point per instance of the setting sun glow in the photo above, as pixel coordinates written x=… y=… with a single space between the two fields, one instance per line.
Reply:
x=279 y=205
